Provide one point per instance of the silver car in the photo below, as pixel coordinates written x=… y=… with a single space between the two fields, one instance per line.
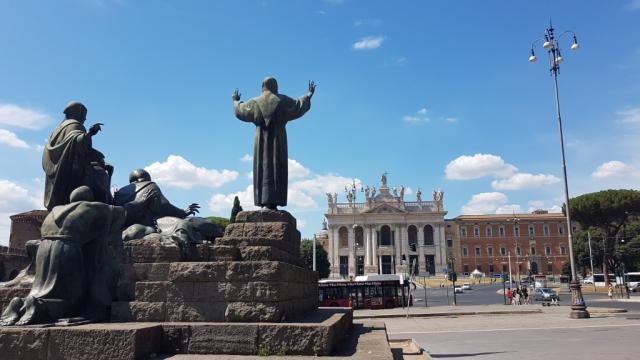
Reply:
x=545 y=294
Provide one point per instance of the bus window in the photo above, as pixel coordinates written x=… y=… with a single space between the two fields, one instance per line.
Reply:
x=389 y=291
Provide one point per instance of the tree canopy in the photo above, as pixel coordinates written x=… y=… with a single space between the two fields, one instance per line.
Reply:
x=322 y=258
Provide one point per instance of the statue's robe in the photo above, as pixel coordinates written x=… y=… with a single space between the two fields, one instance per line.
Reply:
x=64 y=160
x=69 y=161
x=157 y=214
x=270 y=113
x=156 y=205
x=75 y=274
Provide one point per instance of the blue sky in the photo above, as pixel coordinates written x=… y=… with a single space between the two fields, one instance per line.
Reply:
x=437 y=93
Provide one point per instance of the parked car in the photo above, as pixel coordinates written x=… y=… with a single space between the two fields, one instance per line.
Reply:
x=466 y=286
x=635 y=288
x=545 y=294
x=458 y=289
x=588 y=280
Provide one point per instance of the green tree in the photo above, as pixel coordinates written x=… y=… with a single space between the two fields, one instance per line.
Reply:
x=610 y=216
x=219 y=220
x=235 y=210
x=322 y=258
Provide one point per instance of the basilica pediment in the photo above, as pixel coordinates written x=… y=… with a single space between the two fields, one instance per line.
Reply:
x=385 y=209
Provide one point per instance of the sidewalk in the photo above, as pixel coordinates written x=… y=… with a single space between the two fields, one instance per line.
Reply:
x=443 y=311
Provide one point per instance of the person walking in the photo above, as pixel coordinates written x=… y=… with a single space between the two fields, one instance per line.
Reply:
x=509 y=295
x=525 y=295
x=610 y=292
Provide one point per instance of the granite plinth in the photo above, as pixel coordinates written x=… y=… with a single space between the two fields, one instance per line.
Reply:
x=234 y=291
x=318 y=333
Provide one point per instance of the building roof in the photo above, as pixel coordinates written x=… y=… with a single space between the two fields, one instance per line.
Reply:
x=31 y=213
x=510 y=217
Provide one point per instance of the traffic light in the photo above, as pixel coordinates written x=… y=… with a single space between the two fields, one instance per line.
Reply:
x=453 y=277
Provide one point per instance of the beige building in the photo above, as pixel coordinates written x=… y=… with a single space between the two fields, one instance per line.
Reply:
x=378 y=235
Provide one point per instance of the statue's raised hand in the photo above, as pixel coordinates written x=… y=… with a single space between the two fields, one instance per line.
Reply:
x=192 y=209
x=312 y=88
x=236 y=95
x=95 y=128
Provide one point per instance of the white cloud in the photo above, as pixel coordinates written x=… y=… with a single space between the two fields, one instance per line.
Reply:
x=536 y=204
x=296 y=170
x=400 y=60
x=221 y=202
x=451 y=120
x=420 y=117
x=301 y=223
x=368 y=43
x=322 y=184
x=478 y=166
x=522 y=181
x=634 y=5
x=15 y=116
x=509 y=209
x=11 y=139
x=485 y=203
x=14 y=199
x=616 y=170
x=179 y=172
x=630 y=115
x=246 y=158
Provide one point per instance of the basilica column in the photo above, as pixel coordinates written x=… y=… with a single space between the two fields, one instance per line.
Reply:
x=335 y=261
x=441 y=255
x=367 y=245
x=374 y=248
x=398 y=247
x=352 y=255
x=421 y=262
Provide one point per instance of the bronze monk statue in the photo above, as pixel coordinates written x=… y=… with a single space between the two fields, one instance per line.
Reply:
x=270 y=113
x=69 y=160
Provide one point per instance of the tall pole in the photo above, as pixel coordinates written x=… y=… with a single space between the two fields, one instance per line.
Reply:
x=591 y=260
x=314 y=252
x=578 y=307
x=510 y=281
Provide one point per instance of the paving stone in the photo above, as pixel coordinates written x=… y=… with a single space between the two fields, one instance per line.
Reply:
x=23 y=343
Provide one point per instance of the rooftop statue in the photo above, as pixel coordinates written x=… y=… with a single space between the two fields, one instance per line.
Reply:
x=69 y=160
x=270 y=113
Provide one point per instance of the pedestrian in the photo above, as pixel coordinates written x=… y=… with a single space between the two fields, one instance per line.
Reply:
x=516 y=297
x=509 y=295
x=610 y=292
x=525 y=295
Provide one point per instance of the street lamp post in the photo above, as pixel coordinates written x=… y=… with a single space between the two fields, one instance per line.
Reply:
x=552 y=45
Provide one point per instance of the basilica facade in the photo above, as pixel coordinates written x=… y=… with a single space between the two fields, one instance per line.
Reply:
x=385 y=234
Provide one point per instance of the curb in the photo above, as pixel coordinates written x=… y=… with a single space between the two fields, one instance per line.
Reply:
x=594 y=310
x=444 y=314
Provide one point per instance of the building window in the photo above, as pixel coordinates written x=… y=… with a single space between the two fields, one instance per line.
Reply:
x=533 y=250
x=413 y=264
x=563 y=250
x=449 y=243
x=465 y=251
x=463 y=231
x=476 y=231
x=344 y=266
x=465 y=269
x=359 y=265
x=430 y=264
x=477 y=250
x=550 y=268
x=519 y=267
x=546 y=230
x=501 y=231
x=490 y=251
x=503 y=250
x=385 y=236
x=343 y=237
x=518 y=251
x=547 y=250
x=359 y=235
x=428 y=235
x=479 y=268
x=412 y=231
x=387 y=265
x=560 y=229
x=488 y=231
x=532 y=230
x=491 y=268
x=516 y=230
x=504 y=268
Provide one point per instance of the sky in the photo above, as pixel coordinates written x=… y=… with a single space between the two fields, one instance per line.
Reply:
x=439 y=94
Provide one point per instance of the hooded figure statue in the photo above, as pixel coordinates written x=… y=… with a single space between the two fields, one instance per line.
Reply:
x=270 y=113
x=69 y=160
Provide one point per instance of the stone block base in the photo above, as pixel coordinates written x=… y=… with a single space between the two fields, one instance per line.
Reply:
x=319 y=333
x=235 y=291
